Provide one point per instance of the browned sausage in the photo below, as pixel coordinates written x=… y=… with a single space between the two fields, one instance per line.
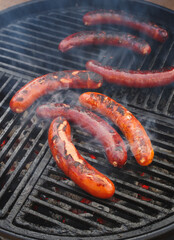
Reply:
x=125 y=19
x=107 y=38
x=132 y=129
x=132 y=78
x=69 y=160
x=52 y=82
x=112 y=142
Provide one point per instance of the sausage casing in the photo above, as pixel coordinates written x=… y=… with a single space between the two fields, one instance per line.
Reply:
x=51 y=82
x=69 y=160
x=130 y=78
x=111 y=141
x=122 y=18
x=119 y=39
x=136 y=135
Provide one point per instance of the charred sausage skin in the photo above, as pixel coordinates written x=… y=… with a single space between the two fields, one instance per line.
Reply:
x=112 y=142
x=130 y=78
x=136 y=135
x=51 y=82
x=125 y=19
x=107 y=38
x=69 y=160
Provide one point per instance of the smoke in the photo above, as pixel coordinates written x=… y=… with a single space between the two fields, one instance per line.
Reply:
x=30 y=46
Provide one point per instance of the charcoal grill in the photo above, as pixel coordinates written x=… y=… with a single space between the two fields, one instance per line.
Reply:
x=37 y=201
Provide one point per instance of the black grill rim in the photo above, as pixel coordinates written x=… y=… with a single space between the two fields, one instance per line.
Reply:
x=162 y=233
x=19 y=11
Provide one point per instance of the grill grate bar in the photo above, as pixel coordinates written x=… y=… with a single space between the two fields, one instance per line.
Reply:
x=43 y=37
x=167 y=53
x=30 y=59
x=85 y=207
x=140 y=203
x=20 y=221
x=47 y=21
x=2 y=74
x=35 y=54
x=163 y=165
x=20 y=64
x=163 y=176
x=42 y=45
x=4 y=117
x=10 y=92
x=162 y=154
x=68 y=214
x=112 y=205
x=155 y=108
x=15 y=153
x=19 y=32
x=76 y=18
x=143 y=191
x=162 y=144
x=19 y=70
x=20 y=166
x=10 y=125
x=165 y=111
x=150 y=182
x=150 y=171
x=5 y=83
x=45 y=31
x=128 y=175
x=118 y=194
x=7 y=147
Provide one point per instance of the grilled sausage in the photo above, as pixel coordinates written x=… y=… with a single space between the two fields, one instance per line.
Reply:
x=52 y=82
x=112 y=142
x=108 y=38
x=139 y=141
x=69 y=160
x=130 y=78
x=125 y=19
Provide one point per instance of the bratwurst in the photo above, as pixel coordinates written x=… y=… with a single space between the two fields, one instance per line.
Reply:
x=122 y=18
x=136 y=135
x=111 y=141
x=69 y=160
x=51 y=82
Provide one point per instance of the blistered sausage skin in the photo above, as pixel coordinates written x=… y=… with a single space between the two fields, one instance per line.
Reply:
x=111 y=141
x=136 y=135
x=69 y=160
x=107 y=38
x=125 y=19
x=51 y=82
x=130 y=78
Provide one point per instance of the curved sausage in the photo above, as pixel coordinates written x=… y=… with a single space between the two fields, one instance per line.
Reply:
x=108 y=38
x=51 y=82
x=130 y=78
x=112 y=142
x=125 y=19
x=69 y=160
x=136 y=135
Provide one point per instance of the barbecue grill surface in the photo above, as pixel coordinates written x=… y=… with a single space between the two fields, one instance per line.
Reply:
x=37 y=201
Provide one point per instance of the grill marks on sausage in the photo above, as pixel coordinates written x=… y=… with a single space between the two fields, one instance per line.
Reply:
x=113 y=106
x=122 y=18
x=132 y=129
x=112 y=38
x=69 y=160
x=51 y=82
x=132 y=78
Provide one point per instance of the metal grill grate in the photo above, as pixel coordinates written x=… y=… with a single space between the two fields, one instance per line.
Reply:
x=36 y=198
